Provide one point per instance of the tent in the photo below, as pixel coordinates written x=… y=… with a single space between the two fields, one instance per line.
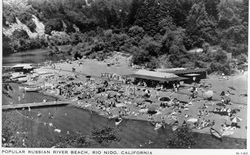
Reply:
x=152 y=110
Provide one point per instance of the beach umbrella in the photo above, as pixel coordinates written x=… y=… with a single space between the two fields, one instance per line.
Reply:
x=192 y=120
x=146 y=91
x=152 y=110
x=146 y=95
x=236 y=119
x=165 y=99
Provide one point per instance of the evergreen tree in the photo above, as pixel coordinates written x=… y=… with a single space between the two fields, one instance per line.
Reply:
x=200 y=28
x=135 y=5
x=244 y=11
x=150 y=14
x=180 y=10
x=211 y=8
x=232 y=27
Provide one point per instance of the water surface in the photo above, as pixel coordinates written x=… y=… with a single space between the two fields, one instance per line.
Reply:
x=30 y=56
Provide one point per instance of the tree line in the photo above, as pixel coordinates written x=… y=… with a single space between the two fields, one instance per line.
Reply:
x=156 y=32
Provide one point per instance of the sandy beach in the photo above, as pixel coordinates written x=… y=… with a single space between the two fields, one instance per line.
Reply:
x=94 y=68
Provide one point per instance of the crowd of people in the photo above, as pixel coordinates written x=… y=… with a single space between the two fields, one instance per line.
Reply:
x=115 y=96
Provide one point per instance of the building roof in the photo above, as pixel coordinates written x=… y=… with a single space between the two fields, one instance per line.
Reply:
x=186 y=71
x=157 y=76
x=166 y=70
x=144 y=72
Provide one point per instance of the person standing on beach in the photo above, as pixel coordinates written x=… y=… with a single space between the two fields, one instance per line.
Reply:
x=157 y=95
x=174 y=87
x=19 y=99
x=192 y=92
x=163 y=122
x=177 y=87
x=23 y=95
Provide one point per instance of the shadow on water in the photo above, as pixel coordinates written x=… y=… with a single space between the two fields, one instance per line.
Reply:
x=132 y=133
x=31 y=56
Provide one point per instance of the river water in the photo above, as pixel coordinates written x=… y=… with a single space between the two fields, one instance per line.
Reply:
x=132 y=133
x=31 y=56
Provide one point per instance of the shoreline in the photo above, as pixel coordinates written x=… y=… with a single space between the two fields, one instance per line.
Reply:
x=97 y=112
x=66 y=71
x=202 y=140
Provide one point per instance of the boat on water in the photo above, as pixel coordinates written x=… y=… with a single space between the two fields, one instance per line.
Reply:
x=39 y=114
x=32 y=88
x=215 y=133
x=118 y=121
x=22 y=79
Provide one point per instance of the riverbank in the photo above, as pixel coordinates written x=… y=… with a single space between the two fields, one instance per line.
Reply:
x=76 y=86
x=132 y=133
x=129 y=104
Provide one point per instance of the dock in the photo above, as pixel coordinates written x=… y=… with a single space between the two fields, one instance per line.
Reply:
x=35 y=105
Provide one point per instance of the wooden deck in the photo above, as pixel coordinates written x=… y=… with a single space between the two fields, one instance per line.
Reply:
x=32 y=105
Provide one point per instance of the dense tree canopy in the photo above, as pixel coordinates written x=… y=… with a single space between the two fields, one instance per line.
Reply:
x=155 y=32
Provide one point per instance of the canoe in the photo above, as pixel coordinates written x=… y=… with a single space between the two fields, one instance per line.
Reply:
x=157 y=126
x=39 y=114
x=32 y=88
x=175 y=127
x=118 y=121
x=215 y=133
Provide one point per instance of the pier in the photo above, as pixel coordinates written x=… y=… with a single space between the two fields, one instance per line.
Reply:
x=32 y=105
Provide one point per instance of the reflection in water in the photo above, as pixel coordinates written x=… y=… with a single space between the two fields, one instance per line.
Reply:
x=30 y=56
x=132 y=133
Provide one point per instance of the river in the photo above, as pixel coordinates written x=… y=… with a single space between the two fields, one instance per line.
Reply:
x=31 y=56
x=132 y=133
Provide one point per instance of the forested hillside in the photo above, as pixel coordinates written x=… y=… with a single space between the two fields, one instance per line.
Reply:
x=156 y=32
